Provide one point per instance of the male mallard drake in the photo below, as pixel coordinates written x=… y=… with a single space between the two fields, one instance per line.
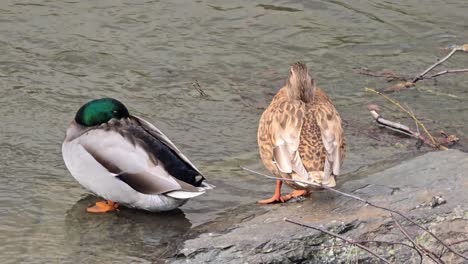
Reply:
x=127 y=160
x=300 y=136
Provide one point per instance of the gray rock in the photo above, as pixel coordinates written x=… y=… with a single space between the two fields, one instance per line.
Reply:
x=259 y=234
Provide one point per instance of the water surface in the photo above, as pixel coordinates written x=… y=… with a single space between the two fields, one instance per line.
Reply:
x=54 y=56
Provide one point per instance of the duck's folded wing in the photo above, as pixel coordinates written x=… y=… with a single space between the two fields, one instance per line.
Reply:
x=286 y=126
x=329 y=122
x=130 y=163
x=154 y=131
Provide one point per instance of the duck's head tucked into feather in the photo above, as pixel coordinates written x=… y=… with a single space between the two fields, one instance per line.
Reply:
x=100 y=111
x=300 y=84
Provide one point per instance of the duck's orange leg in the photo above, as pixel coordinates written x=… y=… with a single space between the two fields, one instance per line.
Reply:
x=103 y=207
x=277 y=198
x=294 y=194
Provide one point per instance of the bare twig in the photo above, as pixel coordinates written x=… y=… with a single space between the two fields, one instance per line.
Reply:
x=197 y=86
x=405 y=84
x=421 y=75
x=389 y=75
x=445 y=140
x=432 y=255
x=400 y=128
x=347 y=240
x=416 y=123
x=313 y=184
x=458 y=242
x=368 y=203
x=417 y=246
x=444 y=250
x=397 y=104
x=370 y=242
x=446 y=72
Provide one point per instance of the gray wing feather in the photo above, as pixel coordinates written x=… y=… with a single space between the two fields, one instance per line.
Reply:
x=150 y=128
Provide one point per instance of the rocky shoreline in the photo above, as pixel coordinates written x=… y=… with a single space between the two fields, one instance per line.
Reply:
x=259 y=234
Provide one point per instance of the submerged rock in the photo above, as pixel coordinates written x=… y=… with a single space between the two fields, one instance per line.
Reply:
x=430 y=189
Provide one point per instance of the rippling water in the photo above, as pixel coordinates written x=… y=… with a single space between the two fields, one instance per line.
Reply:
x=56 y=55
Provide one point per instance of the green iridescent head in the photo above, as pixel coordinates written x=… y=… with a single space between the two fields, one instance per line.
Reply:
x=100 y=111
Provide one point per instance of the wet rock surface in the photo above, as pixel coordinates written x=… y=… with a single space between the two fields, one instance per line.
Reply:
x=430 y=189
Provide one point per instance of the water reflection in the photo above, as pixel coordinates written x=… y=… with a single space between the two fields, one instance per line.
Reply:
x=126 y=235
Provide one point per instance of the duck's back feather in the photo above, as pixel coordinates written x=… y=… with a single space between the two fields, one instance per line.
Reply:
x=140 y=159
x=162 y=148
x=156 y=133
x=302 y=138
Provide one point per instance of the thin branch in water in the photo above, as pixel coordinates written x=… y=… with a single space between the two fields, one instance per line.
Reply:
x=197 y=86
x=416 y=123
x=455 y=49
x=404 y=83
x=347 y=240
x=446 y=72
x=421 y=75
x=366 y=202
x=397 y=104
x=400 y=128
x=397 y=127
x=445 y=140
x=387 y=74
x=426 y=89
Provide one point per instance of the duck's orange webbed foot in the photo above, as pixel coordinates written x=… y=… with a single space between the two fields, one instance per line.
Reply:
x=103 y=207
x=294 y=194
x=276 y=198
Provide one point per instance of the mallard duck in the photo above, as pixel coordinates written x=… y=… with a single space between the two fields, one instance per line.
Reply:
x=126 y=160
x=300 y=136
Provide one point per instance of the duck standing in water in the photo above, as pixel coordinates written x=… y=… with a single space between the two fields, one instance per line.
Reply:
x=126 y=160
x=300 y=136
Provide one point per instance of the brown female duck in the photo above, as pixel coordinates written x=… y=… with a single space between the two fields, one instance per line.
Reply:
x=300 y=136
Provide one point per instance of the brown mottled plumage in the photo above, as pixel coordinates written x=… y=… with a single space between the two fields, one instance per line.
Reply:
x=300 y=135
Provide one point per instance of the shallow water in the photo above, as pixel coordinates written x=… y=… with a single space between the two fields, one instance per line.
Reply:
x=54 y=56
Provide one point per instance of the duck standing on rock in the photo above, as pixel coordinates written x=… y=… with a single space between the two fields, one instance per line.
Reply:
x=300 y=136
x=126 y=160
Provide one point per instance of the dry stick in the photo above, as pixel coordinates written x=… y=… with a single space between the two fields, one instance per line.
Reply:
x=458 y=242
x=197 y=86
x=396 y=103
x=400 y=128
x=366 y=202
x=393 y=243
x=416 y=123
x=432 y=255
x=367 y=242
x=443 y=251
x=348 y=240
x=386 y=74
x=445 y=72
x=420 y=76
x=417 y=246
x=397 y=127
